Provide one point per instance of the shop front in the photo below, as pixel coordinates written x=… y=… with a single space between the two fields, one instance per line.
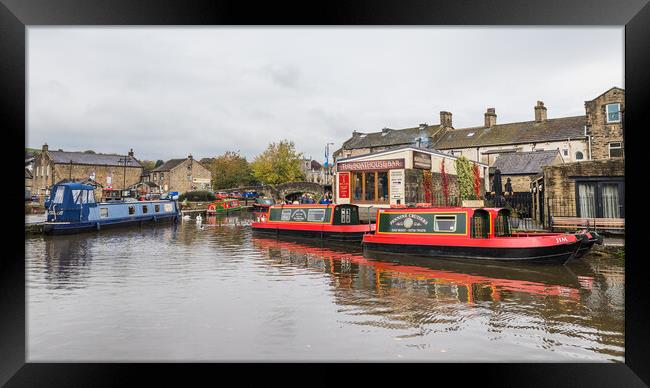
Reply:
x=401 y=176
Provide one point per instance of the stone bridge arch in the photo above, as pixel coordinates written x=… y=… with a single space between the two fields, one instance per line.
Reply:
x=285 y=189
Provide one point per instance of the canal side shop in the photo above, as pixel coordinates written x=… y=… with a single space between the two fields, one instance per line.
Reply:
x=406 y=175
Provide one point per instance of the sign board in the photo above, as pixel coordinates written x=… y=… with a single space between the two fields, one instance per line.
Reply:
x=421 y=160
x=371 y=165
x=344 y=185
x=423 y=222
x=201 y=180
x=301 y=214
x=397 y=186
x=109 y=181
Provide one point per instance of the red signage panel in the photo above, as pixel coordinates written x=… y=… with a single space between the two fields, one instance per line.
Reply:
x=344 y=185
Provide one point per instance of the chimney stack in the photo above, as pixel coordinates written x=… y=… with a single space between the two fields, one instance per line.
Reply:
x=445 y=119
x=540 y=112
x=44 y=147
x=423 y=125
x=189 y=156
x=385 y=130
x=131 y=152
x=490 y=118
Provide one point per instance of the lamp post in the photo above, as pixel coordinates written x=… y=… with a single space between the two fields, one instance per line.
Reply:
x=327 y=163
x=125 y=161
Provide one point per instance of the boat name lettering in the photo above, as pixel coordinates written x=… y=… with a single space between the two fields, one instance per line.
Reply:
x=410 y=217
x=561 y=239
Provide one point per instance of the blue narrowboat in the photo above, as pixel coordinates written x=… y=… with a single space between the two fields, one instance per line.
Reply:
x=72 y=208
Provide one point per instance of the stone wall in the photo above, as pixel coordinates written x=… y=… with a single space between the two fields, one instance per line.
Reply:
x=600 y=131
x=559 y=181
x=520 y=183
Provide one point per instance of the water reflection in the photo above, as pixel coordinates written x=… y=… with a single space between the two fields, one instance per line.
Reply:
x=437 y=296
x=212 y=291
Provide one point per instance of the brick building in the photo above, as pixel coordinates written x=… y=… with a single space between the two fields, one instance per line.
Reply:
x=181 y=175
x=109 y=170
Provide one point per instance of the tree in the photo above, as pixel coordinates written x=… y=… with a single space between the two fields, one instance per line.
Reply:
x=465 y=178
x=158 y=163
x=230 y=170
x=147 y=165
x=280 y=163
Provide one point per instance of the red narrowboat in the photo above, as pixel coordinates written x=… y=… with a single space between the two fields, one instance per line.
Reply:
x=470 y=233
x=338 y=223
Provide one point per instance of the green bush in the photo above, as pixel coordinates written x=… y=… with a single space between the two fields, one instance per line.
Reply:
x=197 y=196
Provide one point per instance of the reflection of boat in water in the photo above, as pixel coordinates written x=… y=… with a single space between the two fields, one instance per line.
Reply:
x=222 y=206
x=470 y=233
x=327 y=222
x=532 y=279
x=72 y=209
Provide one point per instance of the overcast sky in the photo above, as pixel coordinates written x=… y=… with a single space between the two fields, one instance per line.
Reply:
x=167 y=92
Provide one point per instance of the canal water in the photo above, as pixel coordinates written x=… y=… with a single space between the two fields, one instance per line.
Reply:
x=215 y=292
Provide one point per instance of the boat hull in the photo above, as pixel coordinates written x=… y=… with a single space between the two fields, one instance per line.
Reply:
x=558 y=254
x=335 y=233
x=57 y=228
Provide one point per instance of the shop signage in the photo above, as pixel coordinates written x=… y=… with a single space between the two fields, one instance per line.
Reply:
x=421 y=160
x=397 y=186
x=344 y=185
x=371 y=165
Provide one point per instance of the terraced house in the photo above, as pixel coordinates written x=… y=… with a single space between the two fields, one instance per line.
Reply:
x=181 y=175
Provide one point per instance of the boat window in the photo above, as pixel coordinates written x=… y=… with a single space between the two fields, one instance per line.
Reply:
x=286 y=215
x=156 y=208
x=480 y=224
x=168 y=207
x=145 y=209
x=346 y=215
x=315 y=215
x=131 y=210
x=444 y=223
x=502 y=224
x=91 y=196
x=58 y=197
x=75 y=196
x=103 y=212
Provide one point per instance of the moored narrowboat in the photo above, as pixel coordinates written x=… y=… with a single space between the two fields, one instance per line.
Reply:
x=262 y=204
x=226 y=205
x=72 y=208
x=338 y=223
x=469 y=233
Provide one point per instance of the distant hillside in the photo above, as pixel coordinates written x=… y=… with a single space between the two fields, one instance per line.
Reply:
x=32 y=152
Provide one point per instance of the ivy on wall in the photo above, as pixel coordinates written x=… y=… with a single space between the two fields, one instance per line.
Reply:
x=445 y=182
x=465 y=179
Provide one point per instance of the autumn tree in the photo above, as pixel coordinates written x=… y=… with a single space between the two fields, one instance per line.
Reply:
x=230 y=170
x=280 y=163
x=148 y=165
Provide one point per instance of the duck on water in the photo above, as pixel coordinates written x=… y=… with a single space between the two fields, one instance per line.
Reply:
x=72 y=208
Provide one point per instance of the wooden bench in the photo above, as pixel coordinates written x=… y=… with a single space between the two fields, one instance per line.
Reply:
x=591 y=223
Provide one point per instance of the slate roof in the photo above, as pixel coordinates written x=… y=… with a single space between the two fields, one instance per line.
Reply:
x=94 y=159
x=168 y=165
x=315 y=165
x=392 y=137
x=514 y=133
x=513 y=163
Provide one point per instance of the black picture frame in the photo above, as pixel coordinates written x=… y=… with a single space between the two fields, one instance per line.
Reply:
x=16 y=15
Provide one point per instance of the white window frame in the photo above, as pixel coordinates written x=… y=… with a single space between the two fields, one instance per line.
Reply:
x=620 y=147
x=618 y=107
x=435 y=223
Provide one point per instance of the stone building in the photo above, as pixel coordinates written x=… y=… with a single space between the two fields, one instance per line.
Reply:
x=523 y=167
x=181 y=175
x=422 y=136
x=594 y=188
x=109 y=170
x=315 y=172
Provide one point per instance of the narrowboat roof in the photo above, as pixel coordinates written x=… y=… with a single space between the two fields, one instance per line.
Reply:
x=76 y=186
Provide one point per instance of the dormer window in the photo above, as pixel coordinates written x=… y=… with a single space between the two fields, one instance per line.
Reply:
x=613 y=112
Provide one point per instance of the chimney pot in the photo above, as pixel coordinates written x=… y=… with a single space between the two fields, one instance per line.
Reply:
x=131 y=152
x=490 y=118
